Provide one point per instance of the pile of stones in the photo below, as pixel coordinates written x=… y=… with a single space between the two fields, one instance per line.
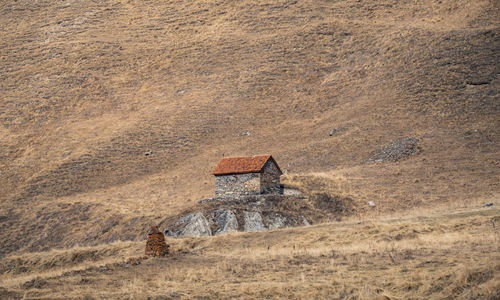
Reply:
x=156 y=245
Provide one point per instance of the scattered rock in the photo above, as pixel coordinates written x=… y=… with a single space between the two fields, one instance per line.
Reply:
x=180 y=92
x=488 y=205
x=333 y=131
x=246 y=133
x=227 y=222
x=148 y=152
x=396 y=150
x=253 y=221
x=197 y=225
x=156 y=246
x=371 y=203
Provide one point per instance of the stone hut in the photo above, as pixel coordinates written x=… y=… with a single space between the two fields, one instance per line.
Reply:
x=241 y=176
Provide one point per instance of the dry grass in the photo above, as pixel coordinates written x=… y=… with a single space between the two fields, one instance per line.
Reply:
x=451 y=256
x=87 y=87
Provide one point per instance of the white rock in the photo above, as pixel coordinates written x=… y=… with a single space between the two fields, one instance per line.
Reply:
x=227 y=222
x=197 y=225
x=253 y=221
x=276 y=221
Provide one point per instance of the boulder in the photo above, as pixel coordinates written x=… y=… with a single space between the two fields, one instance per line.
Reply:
x=253 y=221
x=227 y=222
x=156 y=245
x=197 y=225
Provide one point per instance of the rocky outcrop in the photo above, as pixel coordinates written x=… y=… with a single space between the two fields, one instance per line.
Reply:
x=196 y=225
x=227 y=222
x=156 y=245
x=253 y=221
x=275 y=221
x=254 y=213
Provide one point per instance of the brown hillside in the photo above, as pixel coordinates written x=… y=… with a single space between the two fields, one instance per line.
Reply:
x=444 y=256
x=87 y=87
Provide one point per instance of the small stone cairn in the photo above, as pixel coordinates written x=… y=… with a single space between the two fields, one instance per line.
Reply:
x=156 y=245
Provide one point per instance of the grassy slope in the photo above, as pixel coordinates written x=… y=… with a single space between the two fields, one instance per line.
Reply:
x=439 y=256
x=87 y=87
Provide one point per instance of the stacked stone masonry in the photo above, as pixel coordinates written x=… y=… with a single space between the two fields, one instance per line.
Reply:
x=270 y=179
x=237 y=185
x=156 y=245
x=265 y=182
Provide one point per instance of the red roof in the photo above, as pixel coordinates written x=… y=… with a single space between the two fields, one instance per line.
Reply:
x=242 y=165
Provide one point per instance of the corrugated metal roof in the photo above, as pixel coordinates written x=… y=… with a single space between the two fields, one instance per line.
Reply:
x=242 y=165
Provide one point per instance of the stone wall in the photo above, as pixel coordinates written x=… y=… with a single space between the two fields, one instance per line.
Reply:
x=234 y=185
x=270 y=179
x=237 y=185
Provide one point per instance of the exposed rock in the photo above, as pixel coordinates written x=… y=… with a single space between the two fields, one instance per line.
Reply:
x=333 y=131
x=293 y=193
x=206 y=200
x=253 y=221
x=227 y=222
x=197 y=225
x=275 y=221
x=156 y=246
x=185 y=219
x=396 y=150
x=215 y=216
x=168 y=232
